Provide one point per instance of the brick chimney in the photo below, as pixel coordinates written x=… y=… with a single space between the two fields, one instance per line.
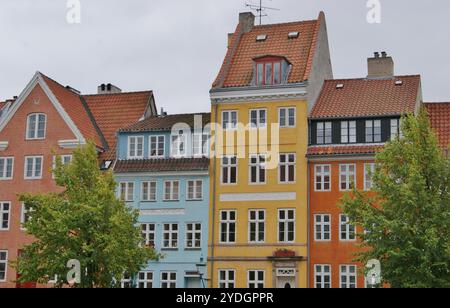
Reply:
x=108 y=89
x=380 y=66
x=246 y=21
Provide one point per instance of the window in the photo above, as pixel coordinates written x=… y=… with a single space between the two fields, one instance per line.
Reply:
x=171 y=191
x=3 y=265
x=200 y=145
x=148 y=191
x=396 y=128
x=5 y=215
x=126 y=282
x=229 y=119
x=348 y=276
x=255 y=279
x=33 y=167
x=227 y=227
x=6 y=168
x=168 y=280
x=324 y=133
x=257 y=169
x=256 y=226
x=65 y=160
x=287 y=168
x=126 y=191
x=322 y=276
x=286 y=226
x=36 y=125
x=135 y=147
x=145 y=280
x=373 y=131
x=258 y=118
x=322 y=227
x=348 y=132
x=287 y=117
x=269 y=73
x=369 y=169
x=148 y=234
x=347 y=231
x=227 y=279
x=229 y=170
x=195 y=190
x=347 y=177
x=157 y=144
x=170 y=236
x=322 y=178
x=179 y=145
x=193 y=235
x=25 y=217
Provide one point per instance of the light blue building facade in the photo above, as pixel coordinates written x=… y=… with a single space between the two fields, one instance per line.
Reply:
x=162 y=169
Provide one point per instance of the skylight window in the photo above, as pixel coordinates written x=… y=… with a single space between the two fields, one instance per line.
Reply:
x=340 y=86
x=261 y=38
x=399 y=83
x=293 y=35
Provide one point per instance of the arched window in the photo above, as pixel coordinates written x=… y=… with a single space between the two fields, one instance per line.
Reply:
x=36 y=126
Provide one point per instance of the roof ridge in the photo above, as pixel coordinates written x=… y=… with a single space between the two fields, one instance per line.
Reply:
x=372 y=79
x=285 y=23
x=121 y=93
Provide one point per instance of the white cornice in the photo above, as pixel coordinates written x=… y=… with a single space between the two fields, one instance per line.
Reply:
x=258 y=94
x=3 y=145
x=70 y=144
x=155 y=174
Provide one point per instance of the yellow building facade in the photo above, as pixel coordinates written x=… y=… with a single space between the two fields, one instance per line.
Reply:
x=258 y=230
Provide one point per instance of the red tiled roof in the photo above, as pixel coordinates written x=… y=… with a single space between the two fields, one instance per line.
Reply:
x=237 y=68
x=367 y=97
x=160 y=123
x=162 y=165
x=114 y=111
x=2 y=104
x=439 y=114
x=336 y=150
x=72 y=104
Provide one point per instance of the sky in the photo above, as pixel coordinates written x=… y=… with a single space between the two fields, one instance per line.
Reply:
x=176 y=47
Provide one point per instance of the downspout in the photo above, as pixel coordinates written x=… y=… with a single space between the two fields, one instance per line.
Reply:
x=213 y=218
x=308 y=184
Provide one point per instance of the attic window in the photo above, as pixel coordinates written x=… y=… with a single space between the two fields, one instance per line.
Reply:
x=293 y=35
x=270 y=71
x=340 y=86
x=261 y=38
x=399 y=83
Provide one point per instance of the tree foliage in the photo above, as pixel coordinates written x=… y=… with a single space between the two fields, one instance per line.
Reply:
x=407 y=218
x=86 y=222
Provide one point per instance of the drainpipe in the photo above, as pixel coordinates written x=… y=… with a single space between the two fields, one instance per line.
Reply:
x=308 y=186
x=213 y=218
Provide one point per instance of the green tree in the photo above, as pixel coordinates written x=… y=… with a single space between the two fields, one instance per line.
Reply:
x=407 y=218
x=86 y=222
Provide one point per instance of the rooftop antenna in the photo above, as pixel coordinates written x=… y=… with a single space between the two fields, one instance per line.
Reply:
x=260 y=10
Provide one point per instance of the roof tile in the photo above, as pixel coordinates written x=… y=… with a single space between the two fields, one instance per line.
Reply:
x=162 y=165
x=165 y=123
x=439 y=114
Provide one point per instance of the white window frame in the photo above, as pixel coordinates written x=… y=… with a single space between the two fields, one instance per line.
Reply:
x=319 y=271
x=174 y=194
x=228 y=222
x=128 y=191
x=136 y=147
x=371 y=125
x=230 y=125
x=146 y=281
x=63 y=161
x=260 y=166
x=347 y=228
x=170 y=282
x=319 y=171
x=286 y=222
x=5 y=262
x=257 y=282
x=348 y=132
x=227 y=282
x=149 y=234
x=344 y=171
x=257 y=222
x=369 y=169
x=259 y=123
x=348 y=275
x=126 y=280
x=33 y=170
x=286 y=166
x=36 y=127
x=227 y=168
x=287 y=117
x=195 y=190
x=173 y=236
x=23 y=215
x=322 y=224
x=194 y=232
x=6 y=162
x=176 y=140
x=158 y=142
x=151 y=196
x=200 y=146
x=5 y=213
x=325 y=128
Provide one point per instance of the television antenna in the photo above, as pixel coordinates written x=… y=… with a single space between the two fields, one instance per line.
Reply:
x=260 y=9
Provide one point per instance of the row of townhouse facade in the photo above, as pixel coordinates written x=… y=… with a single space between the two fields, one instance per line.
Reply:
x=246 y=196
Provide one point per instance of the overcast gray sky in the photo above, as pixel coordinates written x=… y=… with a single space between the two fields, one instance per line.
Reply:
x=176 y=47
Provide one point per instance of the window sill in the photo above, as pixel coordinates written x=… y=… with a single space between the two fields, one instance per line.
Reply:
x=169 y=249
x=192 y=249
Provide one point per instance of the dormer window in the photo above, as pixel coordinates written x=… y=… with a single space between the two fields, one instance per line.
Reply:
x=36 y=124
x=179 y=145
x=270 y=71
